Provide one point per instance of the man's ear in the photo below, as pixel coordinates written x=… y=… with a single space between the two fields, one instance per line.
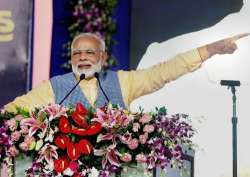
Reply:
x=104 y=57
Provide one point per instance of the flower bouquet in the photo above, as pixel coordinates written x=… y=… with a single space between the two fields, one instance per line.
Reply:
x=82 y=142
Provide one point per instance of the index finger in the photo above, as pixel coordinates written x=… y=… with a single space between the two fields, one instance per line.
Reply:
x=238 y=36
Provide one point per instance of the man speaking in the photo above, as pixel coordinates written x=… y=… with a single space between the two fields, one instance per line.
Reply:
x=94 y=86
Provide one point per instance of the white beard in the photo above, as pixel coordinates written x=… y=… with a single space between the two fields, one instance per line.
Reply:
x=88 y=72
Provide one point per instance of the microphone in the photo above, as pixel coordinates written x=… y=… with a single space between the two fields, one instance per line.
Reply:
x=230 y=83
x=82 y=76
x=97 y=77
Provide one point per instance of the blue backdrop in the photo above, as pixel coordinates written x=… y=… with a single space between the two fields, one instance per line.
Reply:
x=61 y=36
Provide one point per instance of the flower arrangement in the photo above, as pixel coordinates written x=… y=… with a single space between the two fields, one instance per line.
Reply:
x=78 y=141
x=93 y=16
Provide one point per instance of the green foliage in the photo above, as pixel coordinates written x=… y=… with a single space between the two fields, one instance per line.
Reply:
x=161 y=110
x=23 y=112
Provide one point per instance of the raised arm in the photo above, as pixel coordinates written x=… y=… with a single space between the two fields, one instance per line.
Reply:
x=141 y=82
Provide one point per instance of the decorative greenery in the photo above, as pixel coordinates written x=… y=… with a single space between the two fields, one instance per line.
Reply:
x=93 y=16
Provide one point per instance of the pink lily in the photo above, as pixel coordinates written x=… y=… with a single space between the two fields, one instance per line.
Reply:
x=101 y=116
x=48 y=153
x=111 y=118
x=108 y=136
x=34 y=125
x=47 y=132
x=55 y=110
x=125 y=138
x=110 y=154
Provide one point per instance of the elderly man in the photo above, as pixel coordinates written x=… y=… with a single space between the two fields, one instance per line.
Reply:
x=122 y=87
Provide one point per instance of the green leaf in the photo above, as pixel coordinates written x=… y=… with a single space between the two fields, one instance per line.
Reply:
x=162 y=111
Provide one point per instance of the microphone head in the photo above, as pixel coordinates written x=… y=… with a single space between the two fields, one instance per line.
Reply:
x=230 y=82
x=82 y=76
x=96 y=74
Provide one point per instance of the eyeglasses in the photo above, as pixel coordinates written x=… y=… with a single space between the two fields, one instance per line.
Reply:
x=87 y=52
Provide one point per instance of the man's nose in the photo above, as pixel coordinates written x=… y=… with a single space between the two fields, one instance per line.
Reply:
x=83 y=58
x=83 y=55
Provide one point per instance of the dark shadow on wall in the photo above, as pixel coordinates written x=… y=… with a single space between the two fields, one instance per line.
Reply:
x=157 y=21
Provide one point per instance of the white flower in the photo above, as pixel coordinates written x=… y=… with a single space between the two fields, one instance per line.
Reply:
x=94 y=172
x=68 y=172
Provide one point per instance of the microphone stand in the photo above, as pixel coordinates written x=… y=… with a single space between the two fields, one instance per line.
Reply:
x=231 y=85
x=98 y=80
x=66 y=96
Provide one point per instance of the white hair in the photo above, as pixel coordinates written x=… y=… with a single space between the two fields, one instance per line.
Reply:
x=82 y=35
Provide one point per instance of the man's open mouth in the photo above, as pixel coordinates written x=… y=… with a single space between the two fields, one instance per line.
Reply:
x=84 y=66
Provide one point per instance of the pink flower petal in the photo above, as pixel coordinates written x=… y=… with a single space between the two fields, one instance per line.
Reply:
x=113 y=159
